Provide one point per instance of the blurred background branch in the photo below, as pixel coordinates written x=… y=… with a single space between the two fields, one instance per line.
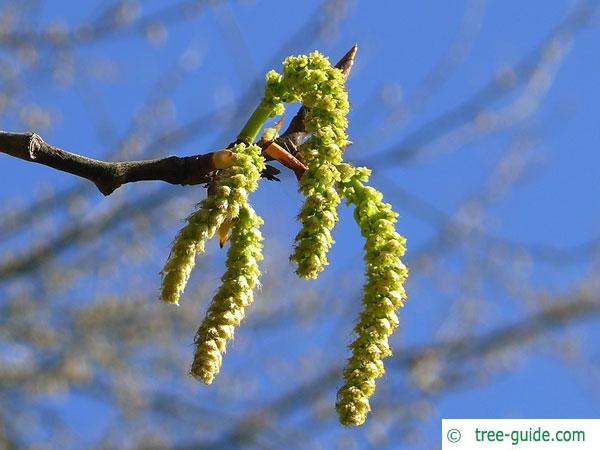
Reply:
x=480 y=123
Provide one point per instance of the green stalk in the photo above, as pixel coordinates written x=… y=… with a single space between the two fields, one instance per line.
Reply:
x=256 y=121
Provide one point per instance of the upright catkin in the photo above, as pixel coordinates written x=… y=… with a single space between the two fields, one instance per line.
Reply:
x=231 y=190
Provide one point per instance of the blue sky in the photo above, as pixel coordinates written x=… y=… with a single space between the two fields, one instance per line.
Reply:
x=227 y=49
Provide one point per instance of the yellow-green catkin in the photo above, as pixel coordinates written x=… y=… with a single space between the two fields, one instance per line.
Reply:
x=312 y=79
x=321 y=88
x=236 y=292
x=231 y=191
x=383 y=294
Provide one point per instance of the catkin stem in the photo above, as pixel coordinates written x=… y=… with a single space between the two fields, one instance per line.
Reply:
x=256 y=121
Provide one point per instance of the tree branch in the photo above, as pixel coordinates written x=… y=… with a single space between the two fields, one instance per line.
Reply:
x=109 y=176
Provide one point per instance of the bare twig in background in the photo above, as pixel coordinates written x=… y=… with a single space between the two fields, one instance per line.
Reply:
x=502 y=84
x=453 y=352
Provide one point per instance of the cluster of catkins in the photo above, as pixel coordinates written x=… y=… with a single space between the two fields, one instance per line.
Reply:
x=312 y=80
